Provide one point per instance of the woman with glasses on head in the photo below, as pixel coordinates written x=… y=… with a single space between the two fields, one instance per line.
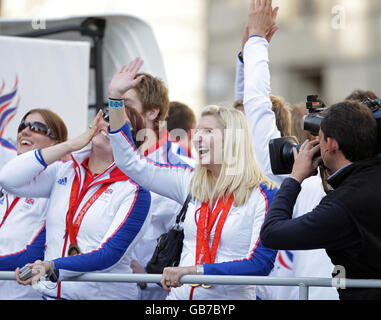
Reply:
x=230 y=195
x=22 y=219
x=95 y=214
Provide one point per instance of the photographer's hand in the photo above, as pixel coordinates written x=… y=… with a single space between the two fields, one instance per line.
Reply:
x=305 y=164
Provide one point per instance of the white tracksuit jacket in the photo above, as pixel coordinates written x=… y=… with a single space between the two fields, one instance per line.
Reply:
x=241 y=254
x=162 y=214
x=109 y=230
x=253 y=85
x=22 y=235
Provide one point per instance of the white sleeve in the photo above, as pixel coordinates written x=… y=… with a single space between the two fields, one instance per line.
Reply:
x=27 y=176
x=171 y=181
x=239 y=80
x=7 y=152
x=257 y=102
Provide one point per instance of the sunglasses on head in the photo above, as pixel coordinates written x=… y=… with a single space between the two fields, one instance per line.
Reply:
x=37 y=127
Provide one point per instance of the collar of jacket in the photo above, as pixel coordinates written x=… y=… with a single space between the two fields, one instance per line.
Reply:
x=338 y=178
x=111 y=174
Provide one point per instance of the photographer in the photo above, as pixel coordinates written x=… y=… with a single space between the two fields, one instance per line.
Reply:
x=346 y=222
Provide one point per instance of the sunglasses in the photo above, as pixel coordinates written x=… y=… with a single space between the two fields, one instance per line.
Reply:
x=37 y=127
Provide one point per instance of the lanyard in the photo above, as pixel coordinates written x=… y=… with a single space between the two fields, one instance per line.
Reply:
x=206 y=221
x=75 y=200
x=14 y=202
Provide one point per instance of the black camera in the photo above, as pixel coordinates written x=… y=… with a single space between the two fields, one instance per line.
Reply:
x=281 y=155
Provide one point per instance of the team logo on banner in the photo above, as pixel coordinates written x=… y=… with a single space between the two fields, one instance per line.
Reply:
x=8 y=105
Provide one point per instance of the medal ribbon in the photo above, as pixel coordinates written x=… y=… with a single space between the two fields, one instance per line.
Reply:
x=206 y=221
x=73 y=227
x=14 y=202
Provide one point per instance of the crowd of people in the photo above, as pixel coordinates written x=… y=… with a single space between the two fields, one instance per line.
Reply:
x=99 y=201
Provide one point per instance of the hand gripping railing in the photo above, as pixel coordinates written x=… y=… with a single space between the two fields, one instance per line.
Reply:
x=304 y=283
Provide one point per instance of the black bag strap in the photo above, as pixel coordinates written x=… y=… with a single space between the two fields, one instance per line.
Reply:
x=181 y=215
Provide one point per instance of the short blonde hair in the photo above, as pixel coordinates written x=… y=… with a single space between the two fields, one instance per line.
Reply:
x=240 y=173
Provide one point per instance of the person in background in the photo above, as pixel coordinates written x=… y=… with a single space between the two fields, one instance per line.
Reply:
x=253 y=82
x=22 y=219
x=181 y=120
x=96 y=214
x=298 y=111
x=238 y=104
x=150 y=98
x=282 y=115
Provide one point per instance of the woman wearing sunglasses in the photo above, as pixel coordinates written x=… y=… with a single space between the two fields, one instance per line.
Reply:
x=95 y=214
x=22 y=219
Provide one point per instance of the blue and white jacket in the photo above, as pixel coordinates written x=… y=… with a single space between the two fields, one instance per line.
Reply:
x=109 y=230
x=252 y=84
x=22 y=235
x=236 y=255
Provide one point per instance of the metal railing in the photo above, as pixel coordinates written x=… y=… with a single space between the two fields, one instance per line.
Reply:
x=304 y=283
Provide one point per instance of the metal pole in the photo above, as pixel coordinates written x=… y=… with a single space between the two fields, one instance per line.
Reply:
x=303 y=291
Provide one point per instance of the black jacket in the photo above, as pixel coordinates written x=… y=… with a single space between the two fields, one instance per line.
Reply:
x=347 y=223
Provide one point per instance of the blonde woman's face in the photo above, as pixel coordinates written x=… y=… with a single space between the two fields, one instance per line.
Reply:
x=208 y=140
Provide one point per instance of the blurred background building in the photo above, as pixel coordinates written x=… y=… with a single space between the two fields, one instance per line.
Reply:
x=326 y=47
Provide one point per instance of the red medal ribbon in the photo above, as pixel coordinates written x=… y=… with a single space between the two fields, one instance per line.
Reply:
x=14 y=202
x=73 y=227
x=206 y=221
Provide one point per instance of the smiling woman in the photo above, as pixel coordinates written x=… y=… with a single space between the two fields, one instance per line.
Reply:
x=230 y=195
x=95 y=214
x=40 y=128
x=23 y=218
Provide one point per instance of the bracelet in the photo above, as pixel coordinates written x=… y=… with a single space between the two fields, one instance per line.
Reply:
x=52 y=271
x=114 y=103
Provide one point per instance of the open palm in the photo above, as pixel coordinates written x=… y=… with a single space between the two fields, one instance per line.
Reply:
x=124 y=79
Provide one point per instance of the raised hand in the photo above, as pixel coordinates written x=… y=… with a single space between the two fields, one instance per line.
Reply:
x=262 y=19
x=57 y=151
x=124 y=79
x=84 y=139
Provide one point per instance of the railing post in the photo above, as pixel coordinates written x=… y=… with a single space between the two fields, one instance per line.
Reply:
x=303 y=291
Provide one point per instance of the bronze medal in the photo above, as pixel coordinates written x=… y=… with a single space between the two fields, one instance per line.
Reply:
x=73 y=250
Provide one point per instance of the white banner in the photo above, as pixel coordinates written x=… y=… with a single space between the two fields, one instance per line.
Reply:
x=41 y=73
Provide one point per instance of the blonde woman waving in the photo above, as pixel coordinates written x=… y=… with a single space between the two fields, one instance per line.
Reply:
x=230 y=195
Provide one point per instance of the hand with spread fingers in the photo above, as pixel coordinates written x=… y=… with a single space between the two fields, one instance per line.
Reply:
x=124 y=79
x=262 y=19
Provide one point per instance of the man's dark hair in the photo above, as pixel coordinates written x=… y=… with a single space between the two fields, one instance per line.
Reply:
x=361 y=95
x=180 y=116
x=353 y=126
